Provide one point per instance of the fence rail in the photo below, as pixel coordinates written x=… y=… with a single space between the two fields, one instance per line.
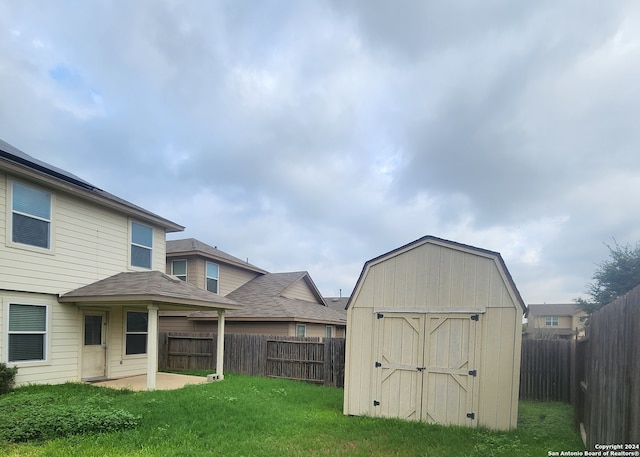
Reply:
x=319 y=360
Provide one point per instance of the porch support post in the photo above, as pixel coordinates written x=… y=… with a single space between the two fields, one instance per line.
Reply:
x=220 y=355
x=152 y=346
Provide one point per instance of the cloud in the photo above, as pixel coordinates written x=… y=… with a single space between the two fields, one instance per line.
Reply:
x=318 y=135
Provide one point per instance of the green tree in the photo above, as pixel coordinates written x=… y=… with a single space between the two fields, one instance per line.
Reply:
x=614 y=277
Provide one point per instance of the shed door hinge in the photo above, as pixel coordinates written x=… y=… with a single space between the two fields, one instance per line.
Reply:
x=471 y=415
x=378 y=364
x=379 y=315
x=473 y=372
x=376 y=403
x=475 y=317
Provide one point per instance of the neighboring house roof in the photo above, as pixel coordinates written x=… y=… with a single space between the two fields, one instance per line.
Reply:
x=451 y=244
x=553 y=309
x=337 y=303
x=23 y=164
x=191 y=246
x=153 y=286
x=262 y=299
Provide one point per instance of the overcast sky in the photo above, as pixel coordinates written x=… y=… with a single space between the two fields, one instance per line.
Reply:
x=316 y=135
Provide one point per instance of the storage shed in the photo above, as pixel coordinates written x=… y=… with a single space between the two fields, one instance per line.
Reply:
x=434 y=330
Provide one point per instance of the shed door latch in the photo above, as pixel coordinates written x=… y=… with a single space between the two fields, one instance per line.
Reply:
x=471 y=415
x=378 y=365
x=473 y=372
x=379 y=315
x=376 y=403
x=421 y=368
x=475 y=317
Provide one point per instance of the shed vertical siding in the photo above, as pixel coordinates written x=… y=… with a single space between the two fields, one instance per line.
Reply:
x=436 y=278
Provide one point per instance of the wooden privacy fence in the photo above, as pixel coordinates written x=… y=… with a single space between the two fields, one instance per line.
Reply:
x=319 y=360
x=545 y=370
x=607 y=400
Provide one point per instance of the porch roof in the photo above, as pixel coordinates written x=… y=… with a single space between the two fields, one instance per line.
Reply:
x=168 y=292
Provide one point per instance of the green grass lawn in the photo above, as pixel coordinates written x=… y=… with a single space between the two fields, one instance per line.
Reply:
x=251 y=416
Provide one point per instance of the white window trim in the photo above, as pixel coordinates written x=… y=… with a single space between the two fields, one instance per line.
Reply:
x=206 y=276
x=131 y=243
x=555 y=321
x=186 y=268
x=125 y=333
x=47 y=333
x=9 y=218
x=330 y=330
x=304 y=327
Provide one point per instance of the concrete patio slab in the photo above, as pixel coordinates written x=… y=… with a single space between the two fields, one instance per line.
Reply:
x=164 y=381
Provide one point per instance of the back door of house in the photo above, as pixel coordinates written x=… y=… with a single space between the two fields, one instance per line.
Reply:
x=94 y=347
x=425 y=367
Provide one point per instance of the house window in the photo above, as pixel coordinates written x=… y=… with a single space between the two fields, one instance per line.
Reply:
x=213 y=272
x=27 y=332
x=551 y=321
x=31 y=216
x=136 y=332
x=141 y=245
x=301 y=330
x=179 y=269
x=329 y=331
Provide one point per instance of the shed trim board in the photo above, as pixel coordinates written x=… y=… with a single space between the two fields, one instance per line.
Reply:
x=434 y=335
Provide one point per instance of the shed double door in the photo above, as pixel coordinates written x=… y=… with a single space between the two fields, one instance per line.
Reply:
x=425 y=367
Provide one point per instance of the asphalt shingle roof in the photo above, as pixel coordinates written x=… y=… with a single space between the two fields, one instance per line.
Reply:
x=148 y=286
x=262 y=299
x=194 y=246
x=553 y=309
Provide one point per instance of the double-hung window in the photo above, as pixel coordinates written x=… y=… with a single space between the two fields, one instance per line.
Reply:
x=551 y=321
x=27 y=332
x=301 y=330
x=179 y=269
x=141 y=245
x=30 y=216
x=137 y=326
x=213 y=276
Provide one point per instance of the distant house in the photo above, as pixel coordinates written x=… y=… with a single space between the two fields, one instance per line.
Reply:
x=548 y=321
x=279 y=304
x=82 y=277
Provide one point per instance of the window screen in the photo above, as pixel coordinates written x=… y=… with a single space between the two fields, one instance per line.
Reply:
x=31 y=216
x=27 y=332
x=136 y=332
x=179 y=269
x=212 y=277
x=141 y=245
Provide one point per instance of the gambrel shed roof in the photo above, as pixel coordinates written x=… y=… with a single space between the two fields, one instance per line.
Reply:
x=450 y=244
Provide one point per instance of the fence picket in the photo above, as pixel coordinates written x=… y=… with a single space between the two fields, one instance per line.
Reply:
x=319 y=360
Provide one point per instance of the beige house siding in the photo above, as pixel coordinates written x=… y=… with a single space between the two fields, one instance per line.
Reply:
x=432 y=279
x=61 y=343
x=89 y=243
x=300 y=290
x=230 y=277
